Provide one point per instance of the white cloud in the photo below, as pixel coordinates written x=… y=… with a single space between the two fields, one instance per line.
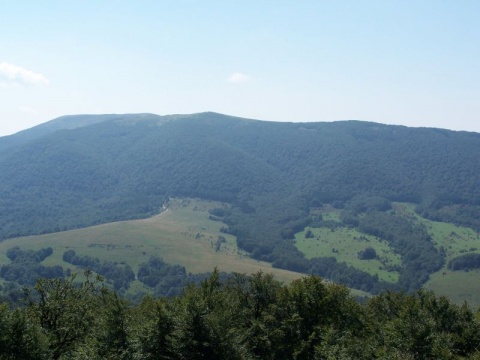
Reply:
x=238 y=78
x=13 y=74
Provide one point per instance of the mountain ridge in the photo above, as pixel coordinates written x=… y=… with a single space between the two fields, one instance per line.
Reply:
x=70 y=122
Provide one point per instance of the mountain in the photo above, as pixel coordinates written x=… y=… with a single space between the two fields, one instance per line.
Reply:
x=83 y=170
x=67 y=122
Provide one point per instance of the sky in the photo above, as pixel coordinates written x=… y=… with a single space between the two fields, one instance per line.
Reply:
x=405 y=62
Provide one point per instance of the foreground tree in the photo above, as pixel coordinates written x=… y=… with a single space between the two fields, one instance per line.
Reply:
x=244 y=317
x=422 y=326
x=65 y=311
x=20 y=337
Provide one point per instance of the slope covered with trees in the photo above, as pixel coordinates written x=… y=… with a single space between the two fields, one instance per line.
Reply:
x=274 y=174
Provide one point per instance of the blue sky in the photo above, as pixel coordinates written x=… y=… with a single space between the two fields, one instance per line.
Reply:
x=414 y=63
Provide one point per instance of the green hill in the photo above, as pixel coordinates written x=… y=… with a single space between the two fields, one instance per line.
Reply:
x=277 y=176
x=183 y=234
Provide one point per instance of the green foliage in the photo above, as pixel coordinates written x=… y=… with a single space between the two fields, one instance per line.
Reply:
x=20 y=338
x=120 y=274
x=25 y=267
x=423 y=326
x=134 y=242
x=157 y=332
x=363 y=203
x=465 y=262
x=168 y=280
x=65 y=312
x=420 y=257
x=126 y=167
x=368 y=254
x=114 y=338
x=345 y=243
x=242 y=317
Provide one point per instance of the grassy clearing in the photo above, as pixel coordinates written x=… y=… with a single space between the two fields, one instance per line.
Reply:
x=344 y=244
x=459 y=286
x=183 y=234
x=456 y=240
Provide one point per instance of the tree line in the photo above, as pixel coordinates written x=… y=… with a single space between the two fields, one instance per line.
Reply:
x=161 y=278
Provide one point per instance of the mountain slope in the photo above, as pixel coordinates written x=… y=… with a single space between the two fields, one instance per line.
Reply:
x=273 y=173
x=67 y=122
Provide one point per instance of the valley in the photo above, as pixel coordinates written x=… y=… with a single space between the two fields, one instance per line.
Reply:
x=186 y=233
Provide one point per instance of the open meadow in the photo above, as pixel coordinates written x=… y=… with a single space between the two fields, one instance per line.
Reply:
x=185 y=233
x=182 y=233
x=345 y=243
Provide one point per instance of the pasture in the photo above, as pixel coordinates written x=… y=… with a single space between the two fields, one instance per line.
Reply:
x=344 y=244
x=182 y=234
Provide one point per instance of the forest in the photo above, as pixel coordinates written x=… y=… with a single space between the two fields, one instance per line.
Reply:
x=238 y=317
x=82 y=171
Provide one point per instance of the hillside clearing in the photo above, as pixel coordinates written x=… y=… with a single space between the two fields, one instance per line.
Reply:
x=183 y=235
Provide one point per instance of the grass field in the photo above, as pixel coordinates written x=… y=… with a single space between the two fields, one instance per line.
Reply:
x=344 y=244
x=459 y=286
x=456 y=240
x=183 y=234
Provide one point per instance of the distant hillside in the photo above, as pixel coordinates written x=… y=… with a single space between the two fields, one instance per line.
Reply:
x=67 y=122
x=111 y=167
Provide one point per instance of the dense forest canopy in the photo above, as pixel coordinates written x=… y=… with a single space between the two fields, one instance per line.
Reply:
x=79 y=171
x=239 y=318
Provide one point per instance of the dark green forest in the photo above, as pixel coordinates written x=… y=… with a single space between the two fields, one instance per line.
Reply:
x=81 y=171
x=240 y=317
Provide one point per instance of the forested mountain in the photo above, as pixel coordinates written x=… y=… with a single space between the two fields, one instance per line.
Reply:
x=84 y=170
x=65 y=122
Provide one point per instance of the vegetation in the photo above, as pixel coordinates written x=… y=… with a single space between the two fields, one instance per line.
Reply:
x=368 y=254
x=120 y=274
x=168 y=280
x=465 y=262
x=274 y=175
x=345 y=244
x=453 y=241
x=183 y=237
x=420 y=256
x=25 y=267
x=241 y=317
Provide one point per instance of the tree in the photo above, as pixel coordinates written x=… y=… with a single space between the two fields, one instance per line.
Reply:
x=114 y=334
x=367 y=254
x=20 y=338
x=65 y=311
x=157 y=336
x=309 y=234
